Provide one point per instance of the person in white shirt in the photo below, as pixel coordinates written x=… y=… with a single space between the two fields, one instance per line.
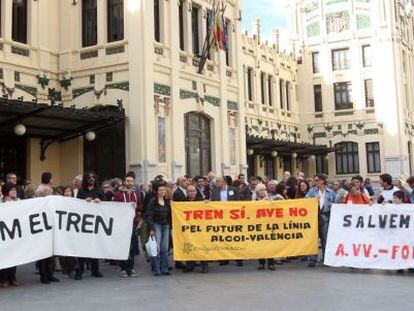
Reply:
x=388 y=189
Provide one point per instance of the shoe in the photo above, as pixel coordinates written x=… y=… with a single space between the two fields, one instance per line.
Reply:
x=77 y=277
x=311 y=264
x=97 y=275
x=411 y=270
x=15 y=283
x=239 y=263
x=224 y=263
x=166 y=273
x=260 y=267
x=157 y=274
x=179 y=265
x=400 y=271
x=123 y=274
x=204 y=270
x=44 y=281
x=271 y=267
x=133 y=273
x=53 y=279
x=5 y=284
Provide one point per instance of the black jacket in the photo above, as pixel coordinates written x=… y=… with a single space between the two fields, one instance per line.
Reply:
x=232 y=194
x=158 y=214
x=179 y=196
x=93 y=194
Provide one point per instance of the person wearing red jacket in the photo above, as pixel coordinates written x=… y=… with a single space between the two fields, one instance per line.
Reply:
x=128 y=194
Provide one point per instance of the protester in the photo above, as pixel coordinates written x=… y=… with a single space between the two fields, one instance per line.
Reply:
x=11 y=178
x=249 y=192
x=91 y=193
x=368 y=186
x=302 y=190
x=107 y=190
x=340 y=192
x=291 y=187
x=47 y=265
x=159 y=219
x=68 y=264
x=280 y=192
x=355 y=196
x=388 y=189
x=180 y=194
x=326 y=197
x=8 y=276
x=128 y=194
x=224 y=193
x=261 y=195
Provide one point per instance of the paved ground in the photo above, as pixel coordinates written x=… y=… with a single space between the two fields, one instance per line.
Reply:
x=291 y=287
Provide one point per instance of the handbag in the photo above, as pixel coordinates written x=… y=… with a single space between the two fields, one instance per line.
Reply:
x=151 y=247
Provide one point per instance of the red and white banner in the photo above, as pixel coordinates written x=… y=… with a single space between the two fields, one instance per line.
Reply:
x=375 y=237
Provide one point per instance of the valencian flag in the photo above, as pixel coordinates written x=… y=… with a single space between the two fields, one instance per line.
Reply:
x=217 y=34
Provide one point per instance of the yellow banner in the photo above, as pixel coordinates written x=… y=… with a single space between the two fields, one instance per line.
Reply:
x=244 y=230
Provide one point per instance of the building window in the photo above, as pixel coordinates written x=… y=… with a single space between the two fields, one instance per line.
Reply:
x=181 y=24
x=157 y=20
x=343 y=95
x=321 y=164
x=19 y=27
x=346 y=158
x=227 y=48
x=263 y=87
x=195 y=30
x=315 y=62
x=373 y=157
x=287 y=95
x=366 y=55
x=115 y=20
x=232 y=145
x=369 y=95
x=270 y=90
x=162 y=154
x=282 y=106
x=89 y=23
x=340 y=59
x=268 y=167
x=317 y=95
x=250 y=84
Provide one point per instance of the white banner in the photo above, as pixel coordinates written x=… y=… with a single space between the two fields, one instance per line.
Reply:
x=38 y=228
x=375 y=237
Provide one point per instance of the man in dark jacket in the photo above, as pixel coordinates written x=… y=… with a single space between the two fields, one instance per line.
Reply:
x=224 y=193
x=180 y=194
x=89 y=192
x=249 y=192
x=11 y=179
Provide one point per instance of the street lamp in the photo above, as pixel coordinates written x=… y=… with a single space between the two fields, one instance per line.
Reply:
x=19 y=130
x=250 y=152
x=90 y=136
x=274 y=154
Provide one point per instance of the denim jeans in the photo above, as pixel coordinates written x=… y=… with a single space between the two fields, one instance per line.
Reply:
x=323 y=234
x=162 y=236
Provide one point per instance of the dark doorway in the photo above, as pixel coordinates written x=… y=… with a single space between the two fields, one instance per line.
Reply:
x=13 y=157
x=287 y=164
x=197 y=144
x=251 y=170
x=106 y=154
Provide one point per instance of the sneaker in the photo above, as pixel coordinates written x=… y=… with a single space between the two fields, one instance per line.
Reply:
x=123 y=274
x=157 y=274
x=312 y=264
x=5 y=284
x=134 y=273
x=271 y=267
x=97 y=275
x=260 y=267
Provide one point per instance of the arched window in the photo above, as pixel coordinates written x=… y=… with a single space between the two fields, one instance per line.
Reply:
x=19 y=27
x=347 y=159
x=115 y=20
x=89 y=23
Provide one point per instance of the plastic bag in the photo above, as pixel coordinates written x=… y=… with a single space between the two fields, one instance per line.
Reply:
x=151 y=247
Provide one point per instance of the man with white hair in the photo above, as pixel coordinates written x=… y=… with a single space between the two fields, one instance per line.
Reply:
x=286 y=176
x=76 y=184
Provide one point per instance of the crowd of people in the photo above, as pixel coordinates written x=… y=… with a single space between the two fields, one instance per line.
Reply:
x=152 y=203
